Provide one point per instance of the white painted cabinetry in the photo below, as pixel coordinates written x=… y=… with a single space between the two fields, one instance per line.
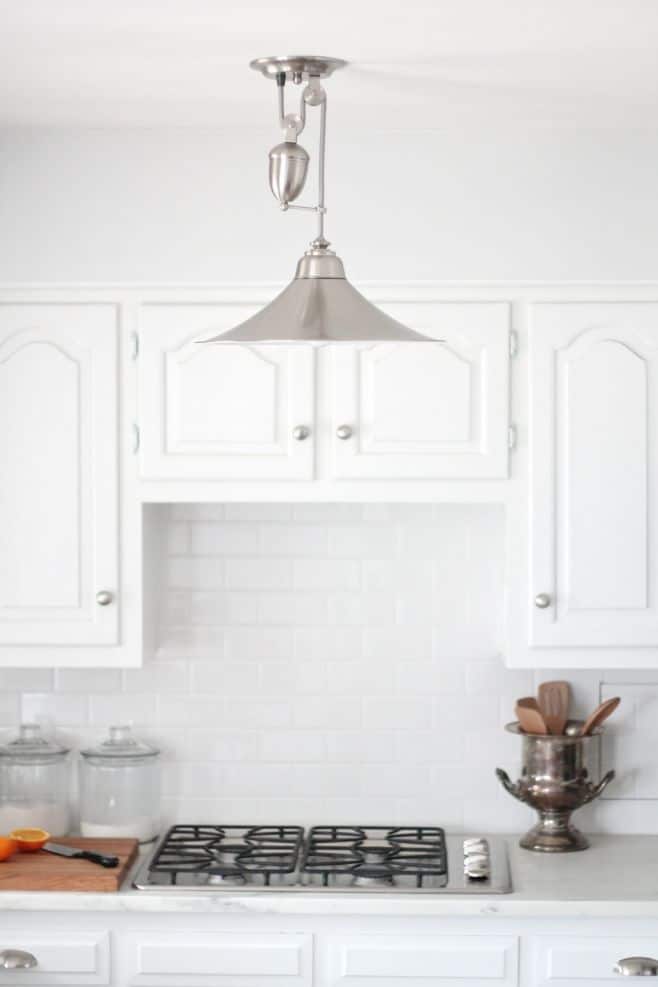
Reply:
x=411 y=961
x=210 y=959
x=70 y=519
x=436 y=411
x=426 y=411
x=592 y=587
x=69 y=957
x=59 y=474
x=221 y=412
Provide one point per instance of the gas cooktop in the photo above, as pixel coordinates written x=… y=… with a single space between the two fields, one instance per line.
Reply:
x=374 y=859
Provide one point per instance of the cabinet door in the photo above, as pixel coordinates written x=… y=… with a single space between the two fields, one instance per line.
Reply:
x=594 y=474
x=428 y=410
x=58 y=474
x=221 y=412
x=572 y=961
x=214 y=959
x=71 y=958
x=412 y=961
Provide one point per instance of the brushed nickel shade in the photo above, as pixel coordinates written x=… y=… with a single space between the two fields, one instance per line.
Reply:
x=319 y=306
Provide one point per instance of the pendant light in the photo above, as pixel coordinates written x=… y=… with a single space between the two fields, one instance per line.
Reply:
x=319 y=306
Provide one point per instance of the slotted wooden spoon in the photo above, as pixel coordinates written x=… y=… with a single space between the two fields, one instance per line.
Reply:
x=600 y=714
x=529 y=716
x=554 y=700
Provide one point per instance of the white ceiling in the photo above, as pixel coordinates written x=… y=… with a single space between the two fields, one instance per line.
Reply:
x=413 y=64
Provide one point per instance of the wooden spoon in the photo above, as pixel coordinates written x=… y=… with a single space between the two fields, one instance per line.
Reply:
x=600 y=714
x=530 y=717
x=554 y=700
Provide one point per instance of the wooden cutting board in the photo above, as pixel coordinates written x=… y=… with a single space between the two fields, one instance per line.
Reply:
x=43 y=871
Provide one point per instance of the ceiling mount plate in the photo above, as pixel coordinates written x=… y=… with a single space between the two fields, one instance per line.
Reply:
x=297 y=66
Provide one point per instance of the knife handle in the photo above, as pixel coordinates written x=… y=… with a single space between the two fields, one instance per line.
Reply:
x=99 y=858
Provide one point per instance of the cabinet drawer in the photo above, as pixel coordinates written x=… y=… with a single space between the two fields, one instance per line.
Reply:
x=569 y=960
x=68 y=959
x=205 y=959
x=362 y=961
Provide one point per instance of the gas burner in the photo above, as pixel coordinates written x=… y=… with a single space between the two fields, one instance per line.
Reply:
x=233 y=879
x=376 y=856
x=372 y=875
x=374 y=859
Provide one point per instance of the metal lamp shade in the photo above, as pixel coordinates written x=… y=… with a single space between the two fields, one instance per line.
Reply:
x=320 y=306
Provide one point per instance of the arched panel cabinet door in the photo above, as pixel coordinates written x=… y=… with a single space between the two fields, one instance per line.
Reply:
x=421 y=411
x=593 y=522
x=221 y=412
x=58 y=475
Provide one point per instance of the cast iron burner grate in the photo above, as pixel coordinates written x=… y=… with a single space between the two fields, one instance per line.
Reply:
x=231 y=855
x=376 y=856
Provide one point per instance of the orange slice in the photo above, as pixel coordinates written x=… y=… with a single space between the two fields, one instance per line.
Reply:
x=7 y=847
x=29 y=840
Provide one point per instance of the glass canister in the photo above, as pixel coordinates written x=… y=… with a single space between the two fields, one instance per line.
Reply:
x=34 y=783
x=120 y=788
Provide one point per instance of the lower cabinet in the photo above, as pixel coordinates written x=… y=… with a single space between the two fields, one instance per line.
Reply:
x=562 y=961
x=74 y=959
x=206 y=959
x=384 y=960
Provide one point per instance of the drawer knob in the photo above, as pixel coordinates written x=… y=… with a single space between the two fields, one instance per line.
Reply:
x=542 y=601
x=344 y=432
x=17 y=959
x=301 y=432
x=637 y=966
x=104 y=598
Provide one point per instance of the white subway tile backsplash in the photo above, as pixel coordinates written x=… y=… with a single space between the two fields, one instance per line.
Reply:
x=326 y=644
x=332 y=662
x=361 y=541
x=258 y=573
x=26 y=680
x=388 y=712
x=257 y=713
x=49 y=708
x=258 y=512
x=258 y=643
x=192 y=573
x=223 y=538
x=326 y=574
x=293 y=609
x=86 y=680
x=288 y=540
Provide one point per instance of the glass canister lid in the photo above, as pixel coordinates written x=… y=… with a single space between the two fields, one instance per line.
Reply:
x=121 y=744
x=31 y=745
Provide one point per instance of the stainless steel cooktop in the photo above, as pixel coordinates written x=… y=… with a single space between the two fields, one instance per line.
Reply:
x=372 y=859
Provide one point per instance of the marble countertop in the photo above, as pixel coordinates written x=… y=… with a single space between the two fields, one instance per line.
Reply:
x=617 y=876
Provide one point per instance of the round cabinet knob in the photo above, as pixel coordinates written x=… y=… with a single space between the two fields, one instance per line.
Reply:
x=542 y=601
x=344 y=432
x=637 y=966
x=104 y=598
x=301 y=432
x=17 y=959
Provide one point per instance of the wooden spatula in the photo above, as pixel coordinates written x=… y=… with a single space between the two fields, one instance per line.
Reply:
x=529 y=716
x=554 y=700
x=600 y=714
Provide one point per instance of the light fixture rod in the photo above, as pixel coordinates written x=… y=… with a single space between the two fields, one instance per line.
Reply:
x=321 y=160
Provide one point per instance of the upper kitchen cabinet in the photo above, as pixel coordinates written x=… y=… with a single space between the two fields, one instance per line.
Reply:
x=419 y=411
x=221 y=412
x=61 y=581
x=387 y=412
x=591 y=593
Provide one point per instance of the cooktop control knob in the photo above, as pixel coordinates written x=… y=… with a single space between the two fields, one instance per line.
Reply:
x=477 y=859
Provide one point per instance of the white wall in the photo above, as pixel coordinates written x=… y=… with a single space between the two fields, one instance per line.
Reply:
x=186 y=206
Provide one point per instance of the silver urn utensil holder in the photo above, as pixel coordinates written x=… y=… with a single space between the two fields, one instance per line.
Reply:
x=555 y=780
